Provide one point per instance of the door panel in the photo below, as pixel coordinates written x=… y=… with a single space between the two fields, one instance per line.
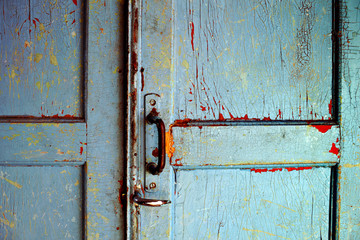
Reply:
x=252 y=59
x=61 y=116
x=246 y=93
x=233 y=145
x=42 y=54
x=41 y=202
x=249 y=204
x=46 y=143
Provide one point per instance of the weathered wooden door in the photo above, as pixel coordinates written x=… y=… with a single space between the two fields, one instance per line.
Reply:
x=61 y=119
x=253 y=96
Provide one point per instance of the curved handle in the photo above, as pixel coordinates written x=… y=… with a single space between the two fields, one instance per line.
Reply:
x=152 y=167
x=137 y=199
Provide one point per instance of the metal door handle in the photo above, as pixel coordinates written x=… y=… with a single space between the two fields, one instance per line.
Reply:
x=137 y=199
x=152 y=167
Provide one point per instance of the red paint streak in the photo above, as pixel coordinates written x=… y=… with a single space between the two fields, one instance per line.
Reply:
x=142 y=78
x=75 y=2
x=222 y=107
x=83 y=143
x=266 y=170
x=334 y=150
x=337 y=140
x=136 y=26
x=177 y=162
x=62 y=112
x=275 y=169
x=322 y=128
x=280 y=169
x=259 y=170
x=73 y=22
x=330 y=106
x=69 y=13
x=221 y=117
x=298 y=168
x=192 y=35
x=117 y=228
x=81 y=150
x=203 y=108
x=279 y=115
x=155 y=152
x=34 y=23
x=134 y=61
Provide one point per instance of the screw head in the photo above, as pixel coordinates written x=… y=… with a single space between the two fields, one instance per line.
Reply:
x=152 y=102
x=152 y=185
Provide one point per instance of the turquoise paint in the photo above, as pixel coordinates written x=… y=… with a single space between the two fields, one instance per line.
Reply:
x=61 y=119
x=246 y=67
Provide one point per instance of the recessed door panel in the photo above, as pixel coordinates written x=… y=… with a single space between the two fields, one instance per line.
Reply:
x=281 y=203
x=41 y=58
x=263 y=60
x=41 y=202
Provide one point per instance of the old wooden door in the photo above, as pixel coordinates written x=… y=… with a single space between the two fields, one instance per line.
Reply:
x=253 y=95
x=60 y=119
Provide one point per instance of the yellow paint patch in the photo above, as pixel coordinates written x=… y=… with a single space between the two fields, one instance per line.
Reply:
x=106 y=220
x=185 y=64
x=259 y=231
x=38 y=86
x=348 y=165
x=12 y=137
x=53 y=59
x=12 y=182
x=27 y=44
x=13 y=74
x=38 y=57
x=279 y=205
x=77 y=183
x=62 y=172
x=116 y=70
x=7 y=223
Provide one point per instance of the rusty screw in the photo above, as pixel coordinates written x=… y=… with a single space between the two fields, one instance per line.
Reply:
x=152 y=185
x=152 y=102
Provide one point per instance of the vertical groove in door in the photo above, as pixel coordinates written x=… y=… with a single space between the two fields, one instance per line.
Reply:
x=333 y=202
x=336 y=49
x=84 y=61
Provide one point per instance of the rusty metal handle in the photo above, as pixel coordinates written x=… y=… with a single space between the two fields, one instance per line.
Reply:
x=137 y=199
x=152 y=167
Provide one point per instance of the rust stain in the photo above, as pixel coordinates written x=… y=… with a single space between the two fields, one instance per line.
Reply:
x=169 y=143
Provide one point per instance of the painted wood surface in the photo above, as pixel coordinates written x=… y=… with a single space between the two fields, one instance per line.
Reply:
x=43 y=143
x=250 y=204
x=252 y=59
x=253 y=145
x=190 y=54
x=61 y=119
x=348 y=199
x=41 y=58
x=41 y=202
